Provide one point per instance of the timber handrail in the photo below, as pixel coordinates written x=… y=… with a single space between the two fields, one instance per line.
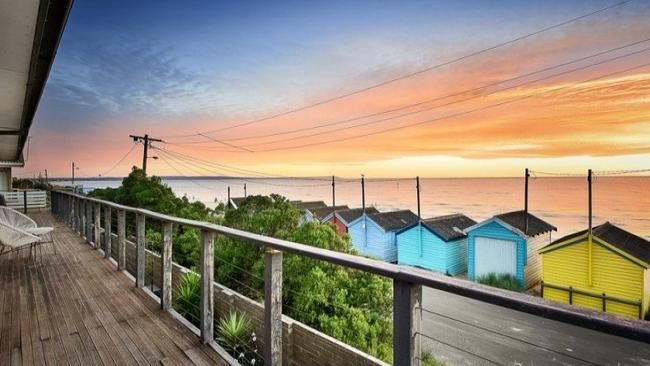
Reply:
x=407 y=281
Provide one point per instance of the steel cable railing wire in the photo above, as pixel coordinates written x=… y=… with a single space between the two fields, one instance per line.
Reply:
x=453 y=115
x=462 y=350
x=418 y=72
x=472 y=97
x=427 y=101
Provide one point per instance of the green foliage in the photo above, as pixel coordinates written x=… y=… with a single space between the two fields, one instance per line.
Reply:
x=138 y=190
x=187 y=297
x=350 y=305
x=234 y=333
x=500 y=280
x=428 y=360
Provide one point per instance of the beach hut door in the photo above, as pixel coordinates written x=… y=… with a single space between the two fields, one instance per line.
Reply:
x=495 y=256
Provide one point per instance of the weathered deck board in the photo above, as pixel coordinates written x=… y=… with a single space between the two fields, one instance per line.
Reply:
x=73 y=307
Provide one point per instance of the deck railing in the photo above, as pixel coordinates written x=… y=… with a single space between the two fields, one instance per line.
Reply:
x=603 y=297
x=84 y=213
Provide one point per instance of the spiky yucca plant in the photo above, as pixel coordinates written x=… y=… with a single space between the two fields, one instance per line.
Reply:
x=187 y=297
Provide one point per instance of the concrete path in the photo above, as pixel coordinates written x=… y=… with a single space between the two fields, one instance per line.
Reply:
x=461 y=331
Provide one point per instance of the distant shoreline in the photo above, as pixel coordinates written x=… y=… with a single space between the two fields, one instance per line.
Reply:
x=205 y=177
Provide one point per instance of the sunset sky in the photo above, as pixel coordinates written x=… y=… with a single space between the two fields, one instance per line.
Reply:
x=176 y=68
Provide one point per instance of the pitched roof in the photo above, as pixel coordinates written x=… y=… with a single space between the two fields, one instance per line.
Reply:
x=449 y=227
x=631 y=244
x=307 y=205
x=394 y=220
x=354 y=213
x=517 y=219
x=237 y=201
x=322 y=212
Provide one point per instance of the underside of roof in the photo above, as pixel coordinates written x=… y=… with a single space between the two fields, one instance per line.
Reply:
x=30 y=31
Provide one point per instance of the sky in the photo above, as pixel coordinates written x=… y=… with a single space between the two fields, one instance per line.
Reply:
x=571 y=98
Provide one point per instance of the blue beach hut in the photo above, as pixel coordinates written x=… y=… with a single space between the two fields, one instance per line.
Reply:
x=508 y=244
x=373 y=235
x=437 y=244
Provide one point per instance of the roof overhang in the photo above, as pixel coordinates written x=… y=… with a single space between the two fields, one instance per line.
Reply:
x=498 y=221
x=30 y=31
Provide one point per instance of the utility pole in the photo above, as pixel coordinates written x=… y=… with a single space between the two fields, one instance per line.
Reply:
x=333 y=192
x=245 y=194
x=228 y=204
x=46 y=180
x=417 y=188
x=146 y=140
x=589 y=230
x=73 y=168
x=363 y=194
x=527 y=175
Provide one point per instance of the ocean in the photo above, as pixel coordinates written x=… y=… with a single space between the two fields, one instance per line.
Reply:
x=562 y=201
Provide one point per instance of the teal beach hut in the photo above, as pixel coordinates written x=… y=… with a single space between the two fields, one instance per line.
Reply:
x=508 y=244
x=437 y=244
x=373 y=235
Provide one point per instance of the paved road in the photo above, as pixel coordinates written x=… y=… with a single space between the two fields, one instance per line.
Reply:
x=461 y=331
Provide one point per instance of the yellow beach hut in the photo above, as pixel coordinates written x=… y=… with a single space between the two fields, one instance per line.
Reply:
x=608 y=273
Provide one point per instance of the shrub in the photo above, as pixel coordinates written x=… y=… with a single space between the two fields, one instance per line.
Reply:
x=234 y=333
x=428 y=360
x=500 y=280
x=187 y=297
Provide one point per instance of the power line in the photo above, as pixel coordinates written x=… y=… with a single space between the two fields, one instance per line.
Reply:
x=423 y=102
x=452 y=102
x=620 y=172
x=453 y=115
x=418 y=72
x=121 y=159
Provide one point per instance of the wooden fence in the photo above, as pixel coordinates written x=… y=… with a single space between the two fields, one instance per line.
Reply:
x=28 y=199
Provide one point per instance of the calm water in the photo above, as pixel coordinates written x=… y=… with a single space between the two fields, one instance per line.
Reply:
x=560 y=201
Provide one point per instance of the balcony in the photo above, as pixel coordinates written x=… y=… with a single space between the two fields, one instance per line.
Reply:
x=84 y=300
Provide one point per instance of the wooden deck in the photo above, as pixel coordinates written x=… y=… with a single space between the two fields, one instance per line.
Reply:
x=75 y=308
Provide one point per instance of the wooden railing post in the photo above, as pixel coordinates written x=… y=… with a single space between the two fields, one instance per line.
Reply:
x=121 y=240
x=82 y=216
x=107 y=232
x=207 y=290
x=273 y=307
x=98 y=224
x=89 y=221
x=139 y=252
x=166 y=297
x=407 y=316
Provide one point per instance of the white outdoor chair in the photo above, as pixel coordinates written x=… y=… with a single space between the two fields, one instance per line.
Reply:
x=19 y=231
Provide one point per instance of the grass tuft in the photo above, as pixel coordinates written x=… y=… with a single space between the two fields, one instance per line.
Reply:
x=500 y=280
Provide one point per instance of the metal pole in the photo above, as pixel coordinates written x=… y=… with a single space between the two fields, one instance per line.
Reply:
x=245 y=194
x=144 y=156
x=363 y=193
x=73 y=176
x=589 y=180
x=25 y=201
x=589 y=231
x=333 y=192
x=526 y=199
x=417 y=187
x=228 y=204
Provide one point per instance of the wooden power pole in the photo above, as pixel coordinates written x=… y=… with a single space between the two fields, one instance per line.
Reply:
x=526 y=176
x=146 y=141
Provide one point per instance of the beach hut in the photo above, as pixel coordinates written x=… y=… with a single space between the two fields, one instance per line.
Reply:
x=508 y=244
x=235 y=202
x=325 y=214
x=306 y=210
x=373 y=235
x=438 y=244
x=343 y=218
x=609 y=274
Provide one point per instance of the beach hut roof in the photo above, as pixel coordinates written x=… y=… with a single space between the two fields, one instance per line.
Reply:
x=449 y=227
x=348 y=216
x=323 y=212
x=517 y=219
x=631 y=244
x=394 y=220
x=236 y=201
